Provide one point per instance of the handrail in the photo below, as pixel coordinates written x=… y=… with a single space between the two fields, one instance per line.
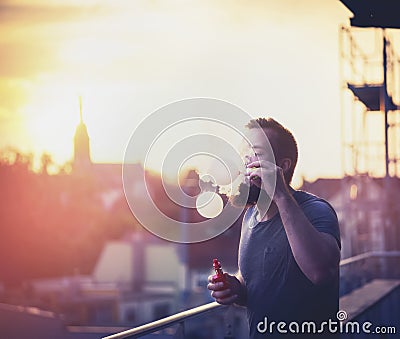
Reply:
x=179 y=317
x=366 y=255
x=165 y=322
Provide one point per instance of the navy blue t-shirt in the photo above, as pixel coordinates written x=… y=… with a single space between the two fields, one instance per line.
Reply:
x=276 y=287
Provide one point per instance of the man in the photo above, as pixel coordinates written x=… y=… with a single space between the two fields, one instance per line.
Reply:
x=289 y=248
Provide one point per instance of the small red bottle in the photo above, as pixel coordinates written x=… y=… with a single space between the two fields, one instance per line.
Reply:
x=219 y=276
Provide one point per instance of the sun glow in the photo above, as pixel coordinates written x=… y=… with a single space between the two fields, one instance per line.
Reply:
x=53 y=115
x=126 y=59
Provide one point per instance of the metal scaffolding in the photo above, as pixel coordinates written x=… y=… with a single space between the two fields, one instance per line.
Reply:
x=370 y=96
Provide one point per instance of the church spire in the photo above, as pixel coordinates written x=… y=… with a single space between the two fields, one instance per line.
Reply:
x=80 y=109
x=82 y=159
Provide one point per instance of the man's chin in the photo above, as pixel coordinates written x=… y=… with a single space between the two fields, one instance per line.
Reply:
x=247 y=195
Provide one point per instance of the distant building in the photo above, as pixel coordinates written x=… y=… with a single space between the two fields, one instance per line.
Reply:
x=368 y=215
x=17 y=322
x=107 y=176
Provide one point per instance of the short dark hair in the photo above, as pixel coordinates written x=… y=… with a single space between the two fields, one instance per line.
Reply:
x=285 y=139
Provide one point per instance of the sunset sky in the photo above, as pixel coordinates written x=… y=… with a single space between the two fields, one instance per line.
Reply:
x=127 y=58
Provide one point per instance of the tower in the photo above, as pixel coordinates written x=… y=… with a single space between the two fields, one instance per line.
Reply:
x=81 y=144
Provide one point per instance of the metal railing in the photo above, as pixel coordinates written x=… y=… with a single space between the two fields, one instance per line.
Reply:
x=165 y=322
x=358 y=270
x=179 y=318
x=367 y=255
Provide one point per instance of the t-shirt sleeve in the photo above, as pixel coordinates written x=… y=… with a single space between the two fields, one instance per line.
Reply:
x=323 y=217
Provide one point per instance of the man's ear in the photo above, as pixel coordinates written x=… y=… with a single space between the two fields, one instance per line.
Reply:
x=285 y=164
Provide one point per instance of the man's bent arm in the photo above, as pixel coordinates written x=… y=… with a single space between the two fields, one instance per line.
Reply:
x=316 y=253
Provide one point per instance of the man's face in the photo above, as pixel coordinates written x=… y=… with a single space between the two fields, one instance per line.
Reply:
x=257 y=148
x=261 y=144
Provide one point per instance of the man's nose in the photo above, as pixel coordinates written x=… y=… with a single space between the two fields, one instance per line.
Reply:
x=249 y=159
